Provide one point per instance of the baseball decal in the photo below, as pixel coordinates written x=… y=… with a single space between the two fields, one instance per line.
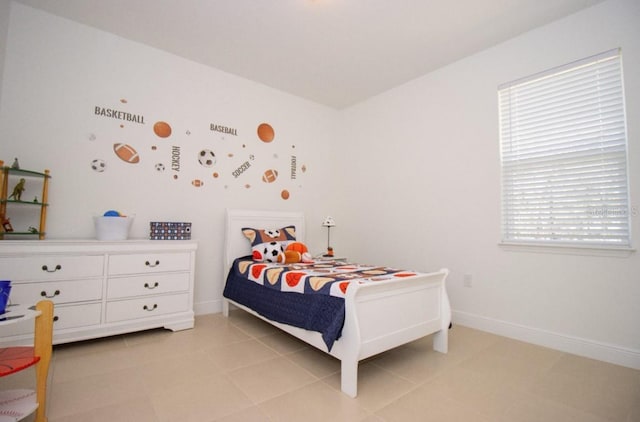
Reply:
x=126 y=153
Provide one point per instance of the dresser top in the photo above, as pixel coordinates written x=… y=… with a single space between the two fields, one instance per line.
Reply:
x=10 y=247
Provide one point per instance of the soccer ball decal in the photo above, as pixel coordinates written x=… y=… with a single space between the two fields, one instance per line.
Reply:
x=272 y=233
x=206 y=158
x=98 y=165
x=273 y=252
x=159 y=167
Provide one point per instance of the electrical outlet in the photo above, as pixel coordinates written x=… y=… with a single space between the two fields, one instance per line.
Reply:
x=467 y=280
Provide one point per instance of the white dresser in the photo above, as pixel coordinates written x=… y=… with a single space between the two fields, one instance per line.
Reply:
x=101 y=288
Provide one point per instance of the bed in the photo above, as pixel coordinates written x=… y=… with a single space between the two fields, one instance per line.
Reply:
x=412 y=307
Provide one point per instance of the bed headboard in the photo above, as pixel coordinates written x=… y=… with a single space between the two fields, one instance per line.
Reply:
x=237 y=245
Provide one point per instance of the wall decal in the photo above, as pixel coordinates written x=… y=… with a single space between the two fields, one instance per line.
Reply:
x=162 y=129
x=241 y=169
x=117 y=114
x=266 y=132
x=206 y=158
x=126 y=153
x=175 y=158
x=223 y=129
x=99 y=165
x=270 y=176
x=294 y=167
x=214 y=151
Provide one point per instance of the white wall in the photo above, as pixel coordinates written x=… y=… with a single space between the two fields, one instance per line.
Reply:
x=5 y=7
x=425 y=193
x=411 y=176
x=58 y=71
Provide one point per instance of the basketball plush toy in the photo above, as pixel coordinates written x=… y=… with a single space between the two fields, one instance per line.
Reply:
x=297 y=252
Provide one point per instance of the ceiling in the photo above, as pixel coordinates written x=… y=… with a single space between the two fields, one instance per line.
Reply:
x=333 y=52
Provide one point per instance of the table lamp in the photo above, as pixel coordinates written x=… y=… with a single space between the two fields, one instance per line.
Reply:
x=328 y=223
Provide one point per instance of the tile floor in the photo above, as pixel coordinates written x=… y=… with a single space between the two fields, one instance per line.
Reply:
x=241 y=369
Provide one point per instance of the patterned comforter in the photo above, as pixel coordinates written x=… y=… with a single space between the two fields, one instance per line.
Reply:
x=309 y=296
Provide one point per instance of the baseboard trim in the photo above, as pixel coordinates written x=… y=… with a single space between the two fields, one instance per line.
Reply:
x=208 y=307
x=575 y=345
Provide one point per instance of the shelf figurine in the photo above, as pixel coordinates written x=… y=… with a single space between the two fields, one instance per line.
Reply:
x=16 y=164
x=6 y=225
x=18 y=189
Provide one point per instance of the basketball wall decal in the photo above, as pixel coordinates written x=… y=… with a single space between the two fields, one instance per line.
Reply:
x=270 y=176
x=162 y=129
x=284 y=194
x=126 y=153
x=266 y=132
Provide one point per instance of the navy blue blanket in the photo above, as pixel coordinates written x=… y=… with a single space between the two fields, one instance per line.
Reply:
x=321 y=313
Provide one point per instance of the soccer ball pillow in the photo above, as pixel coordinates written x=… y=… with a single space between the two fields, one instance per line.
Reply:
x=268 y=245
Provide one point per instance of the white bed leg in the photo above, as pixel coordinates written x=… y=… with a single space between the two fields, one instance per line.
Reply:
x=225 y=307
x=349 y=377
x=441 y=341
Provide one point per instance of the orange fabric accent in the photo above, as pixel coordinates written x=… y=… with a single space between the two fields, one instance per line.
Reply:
x=257 y=269
x=293 y=279
x=343 y=286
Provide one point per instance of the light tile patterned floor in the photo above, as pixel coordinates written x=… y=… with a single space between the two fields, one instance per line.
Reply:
x=241 y=369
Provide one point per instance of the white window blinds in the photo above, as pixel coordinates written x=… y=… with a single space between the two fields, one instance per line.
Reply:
x=564 y=156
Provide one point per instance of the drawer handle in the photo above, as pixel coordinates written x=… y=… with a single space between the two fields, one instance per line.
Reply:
x=148 y=309
x=56 y=318
x=44 y=294
x=148 y=264
x=146 y=285
x=57 y=268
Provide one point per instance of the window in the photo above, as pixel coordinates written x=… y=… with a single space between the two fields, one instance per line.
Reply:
x=563 y=150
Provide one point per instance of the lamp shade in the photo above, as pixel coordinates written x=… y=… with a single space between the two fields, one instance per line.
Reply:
x=328 y=222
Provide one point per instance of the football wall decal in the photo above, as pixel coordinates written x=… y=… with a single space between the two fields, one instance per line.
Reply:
x=270 y=176
x=126 y=153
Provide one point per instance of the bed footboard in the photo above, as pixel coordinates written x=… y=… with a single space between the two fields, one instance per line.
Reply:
x=380 y=316
x=383 y=315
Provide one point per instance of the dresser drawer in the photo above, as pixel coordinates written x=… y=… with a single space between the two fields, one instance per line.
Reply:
x=50 y=267
x=144 y=285
x=148 y=263
x=57 y=291
x=123 y=310
x=73 y=316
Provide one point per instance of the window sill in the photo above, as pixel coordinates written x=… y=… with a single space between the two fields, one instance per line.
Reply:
x=618 y=252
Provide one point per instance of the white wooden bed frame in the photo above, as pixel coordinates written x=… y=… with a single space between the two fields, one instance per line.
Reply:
x=378 y=316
